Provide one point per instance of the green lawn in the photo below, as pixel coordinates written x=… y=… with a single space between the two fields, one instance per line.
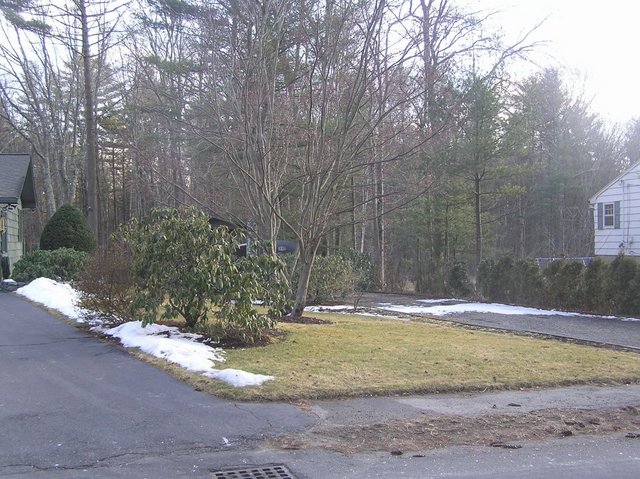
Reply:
x=357 y=356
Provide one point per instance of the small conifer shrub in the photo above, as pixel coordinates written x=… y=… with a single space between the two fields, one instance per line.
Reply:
x=67 y=228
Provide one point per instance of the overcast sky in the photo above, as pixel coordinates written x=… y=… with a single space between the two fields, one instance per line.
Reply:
x=597 y=42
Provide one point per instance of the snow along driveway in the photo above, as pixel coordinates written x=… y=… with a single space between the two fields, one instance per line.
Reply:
x=624 y=332
x=163 y=342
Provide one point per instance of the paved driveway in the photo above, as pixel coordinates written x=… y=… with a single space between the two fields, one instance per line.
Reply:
x=584 y=328
x=68 y=400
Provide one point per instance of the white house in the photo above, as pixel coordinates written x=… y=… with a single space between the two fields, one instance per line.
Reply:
x=616 y=210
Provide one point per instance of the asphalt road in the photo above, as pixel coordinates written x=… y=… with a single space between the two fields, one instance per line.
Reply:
x=584 y=328
x=72 y=406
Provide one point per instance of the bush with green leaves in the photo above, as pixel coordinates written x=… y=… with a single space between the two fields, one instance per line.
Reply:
x=511 y=281
x=184 y=267
x=62 y=263
x=362 y=267
x=563 y=284
x=595 y=284
x=495 y=278
x=486 y=284
x=527 y=283
x=459 y=283
x=333 y=277
x=67 y=228
x=600 y=287
x=623 y=285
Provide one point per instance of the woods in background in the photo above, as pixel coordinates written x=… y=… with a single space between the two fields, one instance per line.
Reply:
x=400 y=129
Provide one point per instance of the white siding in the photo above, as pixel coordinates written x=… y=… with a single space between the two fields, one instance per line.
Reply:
x=626 y=190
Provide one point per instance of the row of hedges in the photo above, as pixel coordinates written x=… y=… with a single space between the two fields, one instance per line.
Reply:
x=600 y=287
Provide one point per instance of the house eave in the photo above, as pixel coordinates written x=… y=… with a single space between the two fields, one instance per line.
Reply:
x=592 y=200
x=8 y=200
x=16 y=180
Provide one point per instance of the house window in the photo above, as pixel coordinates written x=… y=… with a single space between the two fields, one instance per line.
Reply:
x=609 y=215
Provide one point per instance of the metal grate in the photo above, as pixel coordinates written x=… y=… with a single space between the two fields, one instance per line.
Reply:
x=273 y=471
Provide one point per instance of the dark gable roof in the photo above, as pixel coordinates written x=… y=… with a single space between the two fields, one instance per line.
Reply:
x=16 y=180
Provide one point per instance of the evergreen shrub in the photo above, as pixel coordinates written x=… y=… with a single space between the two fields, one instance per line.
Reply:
x=527 y=283
x=60 y=264
x=623 y=285
x=595 y=287
x=601 y=287
x=67 y=228
x=459 y=283
x=510 y=281
x=184 y=267
x=563 y=284
x=332 y=277
x=362 y=267
x=486 y=276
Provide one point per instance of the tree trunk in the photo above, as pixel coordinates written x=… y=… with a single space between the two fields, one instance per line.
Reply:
x=354 y=240
x=522 y=224
x=91 y=175
x=380 y=227
x=307 y=258
x=478 y=218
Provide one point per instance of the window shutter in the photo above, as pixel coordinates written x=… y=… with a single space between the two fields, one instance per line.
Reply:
x=600 y=216
x=616 y=215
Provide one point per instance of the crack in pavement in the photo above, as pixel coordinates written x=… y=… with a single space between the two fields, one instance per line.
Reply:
x=254 y=415
x=126 y=458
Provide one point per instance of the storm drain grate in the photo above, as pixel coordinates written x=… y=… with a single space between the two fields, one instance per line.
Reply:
x=274 y=471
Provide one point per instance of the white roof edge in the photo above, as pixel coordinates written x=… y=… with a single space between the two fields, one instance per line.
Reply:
x=612 y=182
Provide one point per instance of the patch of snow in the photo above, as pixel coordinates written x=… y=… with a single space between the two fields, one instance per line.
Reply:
x=494 y=308
x=319 y=309
x=238 y=378
x=58 y=296
x=437 y=301
x=167 y=342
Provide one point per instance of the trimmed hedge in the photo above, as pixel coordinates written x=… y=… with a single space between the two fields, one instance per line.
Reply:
x=509 y=281
x=67 y=228
x=603 y=288
x=64 y=264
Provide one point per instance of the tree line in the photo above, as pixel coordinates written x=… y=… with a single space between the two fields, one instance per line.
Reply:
x=397 y=128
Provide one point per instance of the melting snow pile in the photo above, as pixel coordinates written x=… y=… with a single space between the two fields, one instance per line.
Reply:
x=495 y=308
x=184 y=349
x=58 y=296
